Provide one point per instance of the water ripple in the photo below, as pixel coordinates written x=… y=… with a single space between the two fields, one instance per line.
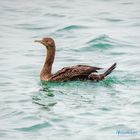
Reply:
x=73 y=27
x=35 y=127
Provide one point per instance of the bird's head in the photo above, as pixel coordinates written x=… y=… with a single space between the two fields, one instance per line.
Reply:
x=47 y=41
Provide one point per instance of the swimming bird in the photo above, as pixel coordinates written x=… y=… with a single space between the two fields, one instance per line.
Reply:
x=79 y=72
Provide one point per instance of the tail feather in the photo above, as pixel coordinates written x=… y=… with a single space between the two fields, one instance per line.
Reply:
x=110 y=69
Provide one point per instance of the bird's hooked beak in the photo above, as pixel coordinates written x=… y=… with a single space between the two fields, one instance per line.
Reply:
x=37 y=41
x=40 y=41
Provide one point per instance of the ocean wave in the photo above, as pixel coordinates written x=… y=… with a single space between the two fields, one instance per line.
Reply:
x=30 y=27
x=100 y=42
x=54 y=15
x=35 y=127
x=112 y=19
x=104 y=42
x=72 y=27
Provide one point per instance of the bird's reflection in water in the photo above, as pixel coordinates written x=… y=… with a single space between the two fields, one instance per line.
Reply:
x=44 y=97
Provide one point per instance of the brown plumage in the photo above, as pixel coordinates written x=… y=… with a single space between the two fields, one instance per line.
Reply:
x=68 y=73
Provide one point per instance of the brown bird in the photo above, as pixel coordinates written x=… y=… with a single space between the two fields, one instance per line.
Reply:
x=78 y=72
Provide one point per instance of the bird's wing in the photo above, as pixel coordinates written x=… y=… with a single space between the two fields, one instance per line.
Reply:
x=68 y=73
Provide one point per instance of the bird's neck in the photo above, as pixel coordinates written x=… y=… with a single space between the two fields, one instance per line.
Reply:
x=47 y=67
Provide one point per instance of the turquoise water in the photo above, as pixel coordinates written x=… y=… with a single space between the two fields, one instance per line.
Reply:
x=93 y=32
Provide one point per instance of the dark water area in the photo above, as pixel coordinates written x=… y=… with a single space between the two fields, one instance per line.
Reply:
x=91 y=32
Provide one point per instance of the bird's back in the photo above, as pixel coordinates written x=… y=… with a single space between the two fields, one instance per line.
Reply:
x=74 y=72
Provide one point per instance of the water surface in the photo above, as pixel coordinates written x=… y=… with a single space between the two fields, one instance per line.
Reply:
x=92 y=32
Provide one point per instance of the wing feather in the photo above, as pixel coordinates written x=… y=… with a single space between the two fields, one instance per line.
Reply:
x=68 y=73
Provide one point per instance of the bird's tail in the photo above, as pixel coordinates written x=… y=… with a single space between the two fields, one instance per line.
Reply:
x=110 y=69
